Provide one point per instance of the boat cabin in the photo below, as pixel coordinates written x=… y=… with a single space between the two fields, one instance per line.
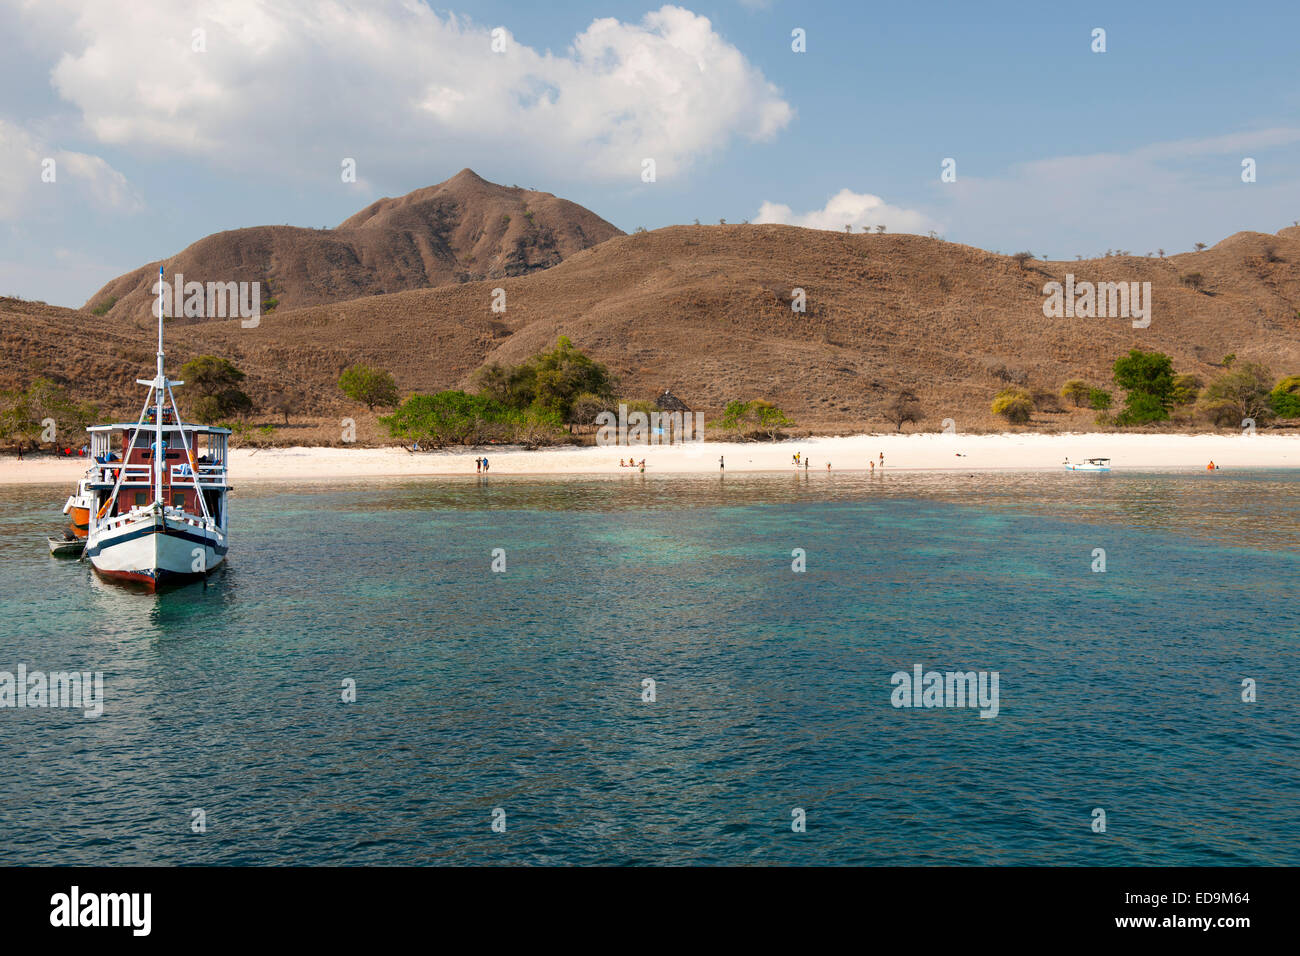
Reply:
x=194 y=463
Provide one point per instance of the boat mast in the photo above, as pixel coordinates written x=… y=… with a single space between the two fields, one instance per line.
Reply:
x=160 y=384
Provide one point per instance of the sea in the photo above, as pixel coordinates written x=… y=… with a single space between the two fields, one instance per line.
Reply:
x=676 y=670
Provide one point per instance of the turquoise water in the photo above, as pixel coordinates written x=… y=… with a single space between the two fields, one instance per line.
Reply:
x=522 y=690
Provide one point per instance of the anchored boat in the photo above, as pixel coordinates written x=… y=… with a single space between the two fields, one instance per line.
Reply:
x=1092 y=464
x=157 y=492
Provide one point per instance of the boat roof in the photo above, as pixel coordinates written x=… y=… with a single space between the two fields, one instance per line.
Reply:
x=167 y=427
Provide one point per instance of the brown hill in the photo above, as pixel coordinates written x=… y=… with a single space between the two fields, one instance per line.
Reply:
x=457 y=231
x=706 y=311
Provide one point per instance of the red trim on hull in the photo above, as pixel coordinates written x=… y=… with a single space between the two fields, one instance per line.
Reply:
x=151 y=583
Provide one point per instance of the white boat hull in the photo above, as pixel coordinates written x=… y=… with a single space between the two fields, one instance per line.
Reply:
x=154 y=551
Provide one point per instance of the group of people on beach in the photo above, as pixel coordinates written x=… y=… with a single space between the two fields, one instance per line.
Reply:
x=632 y=463
x=798 y=458
x=65 y=452
x=481 y=464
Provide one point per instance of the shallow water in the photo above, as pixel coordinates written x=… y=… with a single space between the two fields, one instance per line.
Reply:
x=522 y=690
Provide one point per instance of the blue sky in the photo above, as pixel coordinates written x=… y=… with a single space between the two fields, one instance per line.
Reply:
x=1058 y=149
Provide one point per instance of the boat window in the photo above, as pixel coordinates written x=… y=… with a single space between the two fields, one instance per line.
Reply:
x=178 y=499
x=139 y=499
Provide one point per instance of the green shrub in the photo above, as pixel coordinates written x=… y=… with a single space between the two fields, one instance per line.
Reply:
x=1186 y=389
x=457 y=418
x=1015 y=404
x=1285 y=397
x=1099 y=399
x=104 y=306
x=1240 y=393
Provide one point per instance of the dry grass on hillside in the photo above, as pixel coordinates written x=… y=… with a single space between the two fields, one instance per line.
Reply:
x=706 y=311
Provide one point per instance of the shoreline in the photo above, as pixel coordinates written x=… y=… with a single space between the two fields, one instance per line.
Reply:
x=931 y=451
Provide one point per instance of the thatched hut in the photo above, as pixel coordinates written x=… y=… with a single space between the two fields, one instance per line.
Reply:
x=668 y=402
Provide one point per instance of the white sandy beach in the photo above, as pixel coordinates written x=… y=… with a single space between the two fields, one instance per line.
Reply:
x=1006 y=452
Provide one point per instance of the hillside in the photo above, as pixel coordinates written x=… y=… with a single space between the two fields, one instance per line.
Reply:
x=705 y=310
x=457 y=231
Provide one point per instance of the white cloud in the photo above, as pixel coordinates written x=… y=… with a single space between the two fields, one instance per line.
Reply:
x=304 y=83
x=852 y=209
x=1168 y=194
x=77 y=178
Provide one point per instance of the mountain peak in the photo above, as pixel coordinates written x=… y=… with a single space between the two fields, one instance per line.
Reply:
x=461 y=230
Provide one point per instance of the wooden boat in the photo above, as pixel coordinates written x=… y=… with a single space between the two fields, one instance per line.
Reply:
x=158 y=490
x=1092 y=464
x=68 y=546
x=78 y=507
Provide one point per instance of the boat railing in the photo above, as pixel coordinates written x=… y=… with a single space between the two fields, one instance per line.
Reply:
x=194 y=521
x=182 y=474
x=130 y=473
x=173 y=515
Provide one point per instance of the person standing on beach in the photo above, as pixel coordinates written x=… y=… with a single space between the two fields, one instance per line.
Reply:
x=882 y=459
x=721 y=464
x=20 y=451
x=478 y=465
x=806 y=463
x=485 y=464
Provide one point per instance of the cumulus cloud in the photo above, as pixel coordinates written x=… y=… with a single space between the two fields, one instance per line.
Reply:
x=847 y=208
x=304 y=83
x=74 y=178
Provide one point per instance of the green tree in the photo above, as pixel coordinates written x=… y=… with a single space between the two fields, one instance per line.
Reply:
x=549 y=381
x=1285 y=397
x=767 y=418
x=743 y=420
x=1148 y=378
x=1098 y=399
x=214 y=383
x=1015 y=404
x=369 y=385
x=1076 y=391
x=1241 y=392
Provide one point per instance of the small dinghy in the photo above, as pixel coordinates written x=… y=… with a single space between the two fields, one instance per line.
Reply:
x=1092 y=464
x=68 y=546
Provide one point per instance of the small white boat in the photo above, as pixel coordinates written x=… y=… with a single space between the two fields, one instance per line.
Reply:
x=67 y=546
x=1092 y=464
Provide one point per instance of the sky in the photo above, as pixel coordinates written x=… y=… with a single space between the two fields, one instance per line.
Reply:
x=160 y=135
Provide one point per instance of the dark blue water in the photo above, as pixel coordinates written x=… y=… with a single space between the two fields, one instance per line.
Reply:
x=522 y=690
